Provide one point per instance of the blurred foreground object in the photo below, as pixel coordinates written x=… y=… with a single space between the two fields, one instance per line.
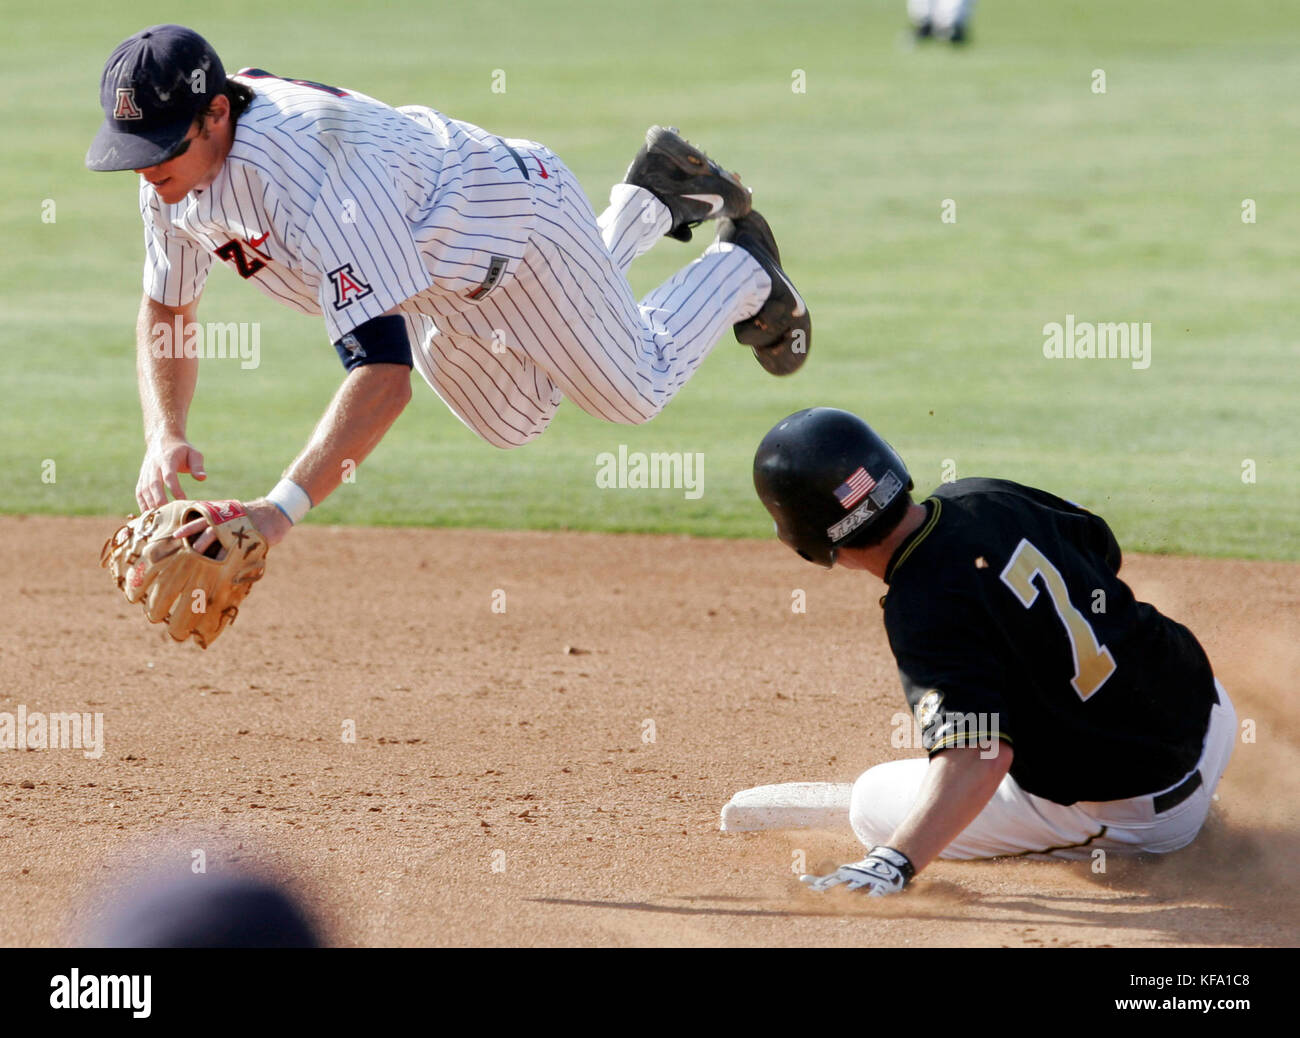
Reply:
x=203 y=911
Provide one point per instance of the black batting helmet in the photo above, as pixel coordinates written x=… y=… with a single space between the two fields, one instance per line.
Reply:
x=827 y=478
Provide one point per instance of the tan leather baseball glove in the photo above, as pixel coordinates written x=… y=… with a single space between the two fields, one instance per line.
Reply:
x=194 y=595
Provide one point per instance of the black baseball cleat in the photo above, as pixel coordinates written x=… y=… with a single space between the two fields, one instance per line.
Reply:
x=688 y=182
x=781 y=332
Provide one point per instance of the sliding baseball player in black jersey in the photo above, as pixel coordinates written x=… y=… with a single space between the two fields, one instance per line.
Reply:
x=1059 y=713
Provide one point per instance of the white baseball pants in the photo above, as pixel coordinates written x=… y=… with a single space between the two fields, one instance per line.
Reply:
x=568 y=325
x=941 y=14
x=1018 y=823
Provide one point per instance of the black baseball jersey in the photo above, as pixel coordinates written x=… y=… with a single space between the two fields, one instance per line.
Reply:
x=1008 y=620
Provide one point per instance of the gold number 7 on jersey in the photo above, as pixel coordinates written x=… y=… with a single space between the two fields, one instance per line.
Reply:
x=1093 y=663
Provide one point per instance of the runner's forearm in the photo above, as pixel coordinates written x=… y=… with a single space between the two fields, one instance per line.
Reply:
x=958 y=783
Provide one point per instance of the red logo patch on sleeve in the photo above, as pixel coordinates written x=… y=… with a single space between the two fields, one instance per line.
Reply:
x=348 y=286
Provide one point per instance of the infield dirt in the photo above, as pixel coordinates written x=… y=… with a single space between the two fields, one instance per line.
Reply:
x=552 y=774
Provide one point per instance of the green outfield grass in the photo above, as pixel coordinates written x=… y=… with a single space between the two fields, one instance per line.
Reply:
x=1123 y=206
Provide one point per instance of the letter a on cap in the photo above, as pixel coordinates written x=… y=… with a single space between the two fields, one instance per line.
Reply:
x=126 y=106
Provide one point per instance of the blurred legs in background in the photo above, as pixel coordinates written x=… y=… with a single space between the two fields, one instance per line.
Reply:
x=943 y=19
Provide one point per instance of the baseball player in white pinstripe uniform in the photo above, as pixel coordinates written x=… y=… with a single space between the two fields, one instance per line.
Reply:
x=424 y=242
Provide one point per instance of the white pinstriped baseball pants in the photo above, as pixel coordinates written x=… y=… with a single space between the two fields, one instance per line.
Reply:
x=568 y=325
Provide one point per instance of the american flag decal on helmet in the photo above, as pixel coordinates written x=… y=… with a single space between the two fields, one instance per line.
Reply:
x=855 y=488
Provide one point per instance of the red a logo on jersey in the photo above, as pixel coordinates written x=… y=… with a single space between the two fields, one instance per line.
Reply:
x=126 y=107
x=348 y=287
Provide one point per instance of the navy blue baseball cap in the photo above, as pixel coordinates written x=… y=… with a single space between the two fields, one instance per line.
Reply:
x=154 y=86
x=204 y=911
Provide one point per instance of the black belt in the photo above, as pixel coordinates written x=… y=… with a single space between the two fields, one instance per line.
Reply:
x=519 y=160
x=1172 y=798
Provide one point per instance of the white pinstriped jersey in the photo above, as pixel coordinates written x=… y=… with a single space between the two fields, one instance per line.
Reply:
x=514 y=293
x=334 y=203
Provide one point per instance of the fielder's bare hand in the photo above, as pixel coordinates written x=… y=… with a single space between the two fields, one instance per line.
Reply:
x=268 y=520
x=165 y=459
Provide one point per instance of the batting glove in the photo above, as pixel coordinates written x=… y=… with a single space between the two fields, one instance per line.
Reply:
x=883 y=871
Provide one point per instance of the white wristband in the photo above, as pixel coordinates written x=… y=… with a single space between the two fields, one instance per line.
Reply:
x=291 y=499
